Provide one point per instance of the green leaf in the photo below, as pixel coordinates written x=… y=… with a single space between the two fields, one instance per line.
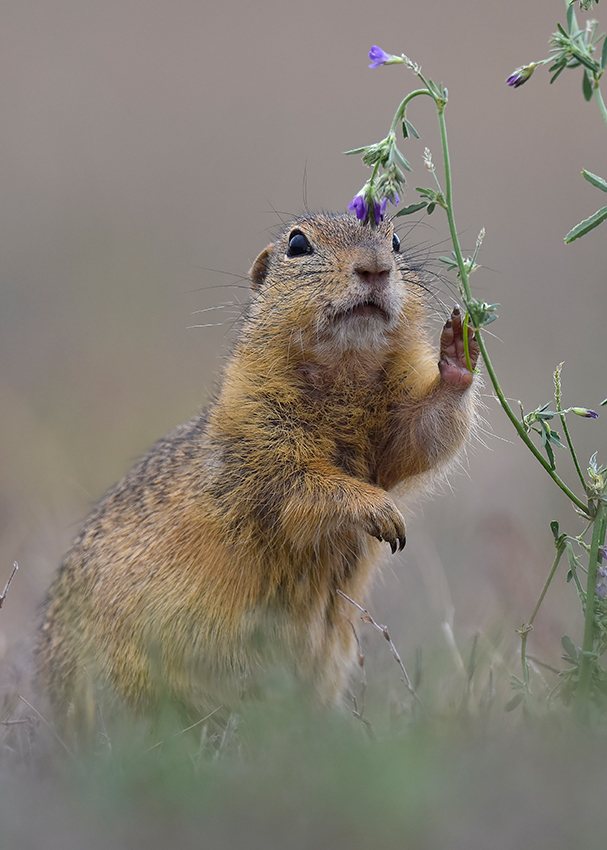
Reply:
x=554 y=438
x=559 y=62
x=586 y=226
x=548 y=448
x=583 y=59
x=560 y=71
x=586 y=86
x=554 y=528
x=586 y=61
x=573 y=561
x=356 y=150
x=571 y=19
x=604 y=402
x=569 y=647
x=594 y=179
x=412 y=208
x=403 y=162
x=569 y=576
x=545 y=430
x=514 y=702
x=430 y=194
x=431 y=208
x=604 y=54
x=411 y=129
x=481 y=314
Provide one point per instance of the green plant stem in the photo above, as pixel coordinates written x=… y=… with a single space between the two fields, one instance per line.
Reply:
x=400 y=112
x=597 y=91
x=467 y=342
x=528 y=626
x=573 y=565
x=524 y=632
x=580 y=537
x=598 y=539
x=571 y=448
x=559 y=407
x=601 y=103
x=523 y=434
x=557 y=559
x=481 y=343
x=449 y=204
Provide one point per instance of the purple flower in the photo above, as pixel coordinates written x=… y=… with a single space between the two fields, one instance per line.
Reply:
x=379 y=208
x=583 y=411
x=365 y=207
x=602 y=552
x=378 y=57
x=360 y=207
x=521 y=75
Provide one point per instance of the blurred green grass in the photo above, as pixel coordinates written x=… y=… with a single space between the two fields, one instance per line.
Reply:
x=454 y=771
x=288 y=778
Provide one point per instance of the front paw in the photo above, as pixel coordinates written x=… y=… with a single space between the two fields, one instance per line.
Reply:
x=385 y=522
x=452 y=364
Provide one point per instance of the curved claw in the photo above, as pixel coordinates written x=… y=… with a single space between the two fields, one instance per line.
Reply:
x=403 y=542
x=393 y=546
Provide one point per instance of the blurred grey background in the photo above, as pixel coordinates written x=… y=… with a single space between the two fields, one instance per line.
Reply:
x=148 y=149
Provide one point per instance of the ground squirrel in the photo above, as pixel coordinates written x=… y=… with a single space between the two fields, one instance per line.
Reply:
x=218 y=557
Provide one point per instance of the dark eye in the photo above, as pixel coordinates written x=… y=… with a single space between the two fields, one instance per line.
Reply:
x=298 y=245
x=395 y=243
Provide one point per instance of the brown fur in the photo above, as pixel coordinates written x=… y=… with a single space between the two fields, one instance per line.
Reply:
x=219 y=555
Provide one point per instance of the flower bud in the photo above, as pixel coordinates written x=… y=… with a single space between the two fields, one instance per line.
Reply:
x=380 y=57
x=521 y=75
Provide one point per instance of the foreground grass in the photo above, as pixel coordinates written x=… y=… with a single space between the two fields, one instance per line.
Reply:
x=467 y=776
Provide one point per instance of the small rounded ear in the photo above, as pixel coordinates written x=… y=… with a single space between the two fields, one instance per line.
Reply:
x=259 y=269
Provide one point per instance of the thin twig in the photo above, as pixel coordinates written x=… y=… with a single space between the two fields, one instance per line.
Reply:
x=543 y=664
x=358 y=710
x=230 y=727
x=458 y=661
x=8 y=583
x=183 y=731
x=367 y=618
x=359 y=716
x=361 y=664
x=48 y=725
x=559 y=407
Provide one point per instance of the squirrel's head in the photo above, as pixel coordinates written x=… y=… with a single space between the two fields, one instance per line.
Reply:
x=333 y=283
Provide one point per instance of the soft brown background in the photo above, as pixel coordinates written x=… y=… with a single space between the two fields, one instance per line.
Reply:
x=148 y=149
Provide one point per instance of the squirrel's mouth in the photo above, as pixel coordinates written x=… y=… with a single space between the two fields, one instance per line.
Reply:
x=364 y=309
